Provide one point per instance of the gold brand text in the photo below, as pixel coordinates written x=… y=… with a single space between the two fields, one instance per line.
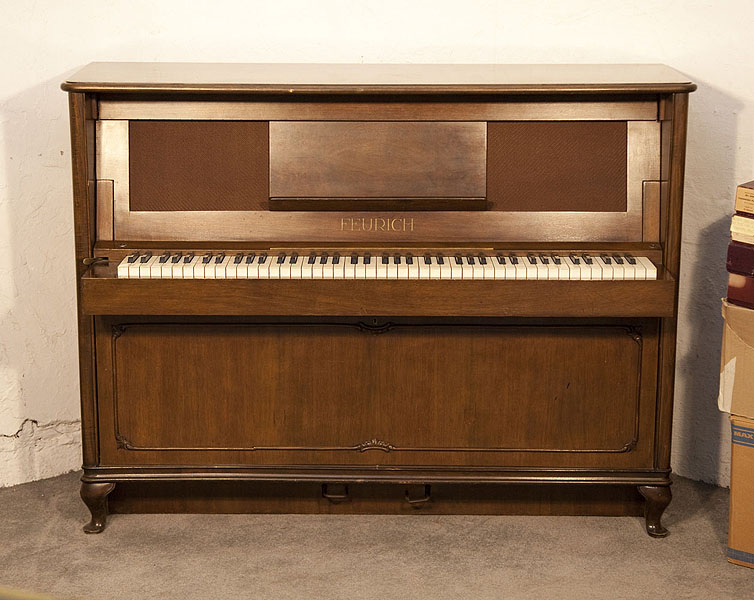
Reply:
x=376 y=224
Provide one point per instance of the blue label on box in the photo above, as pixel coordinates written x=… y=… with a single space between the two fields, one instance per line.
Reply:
x=740 y=555
x=743 y=436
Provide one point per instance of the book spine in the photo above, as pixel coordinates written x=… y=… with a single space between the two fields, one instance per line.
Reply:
x=745 y=199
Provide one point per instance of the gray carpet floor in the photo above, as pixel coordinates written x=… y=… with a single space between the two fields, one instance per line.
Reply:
x=42 y=549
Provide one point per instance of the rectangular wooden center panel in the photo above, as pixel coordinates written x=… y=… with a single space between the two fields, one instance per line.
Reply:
x=346 y=394
x=377 y=159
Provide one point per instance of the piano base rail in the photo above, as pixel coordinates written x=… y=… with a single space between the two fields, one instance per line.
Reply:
x=378 y=491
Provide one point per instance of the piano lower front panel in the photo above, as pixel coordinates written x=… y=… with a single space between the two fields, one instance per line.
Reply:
x=348 y=395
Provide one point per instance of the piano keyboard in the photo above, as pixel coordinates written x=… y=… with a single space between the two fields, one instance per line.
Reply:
x=324 y=265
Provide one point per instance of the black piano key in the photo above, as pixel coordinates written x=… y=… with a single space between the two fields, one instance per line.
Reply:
x=188 y=258
x=630 y=259
x=513 y=258
x=323 y=258
x=397 y=259
x=500 y=259
x=145 y=257
x=409 y=259
x=385 y=259
x=367 y=259
x=606 y=259
x=545 y=260
x=354 y=259
x=132 y=257
x=250 y=258
x=312 y=259
x=470 y=259
x=281 y=259
x=238 y=258
x=482 y=259
x=164 y=257
x=336 y=259
x=458 y=259
x=220 y=258
x=440 y=259
x=206 y=258
x=175 y=258
x=556 y=259
x=294 y=258
x=532 y=259
x=575 y=259
x=618 y=260
x=587 y=259
x=262 y=258
x=427 y=259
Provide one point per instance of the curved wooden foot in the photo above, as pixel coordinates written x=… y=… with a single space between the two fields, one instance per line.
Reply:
x=658 y=497
x=94 y=496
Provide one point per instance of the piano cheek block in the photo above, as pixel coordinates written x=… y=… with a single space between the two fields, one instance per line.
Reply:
x=382 y=292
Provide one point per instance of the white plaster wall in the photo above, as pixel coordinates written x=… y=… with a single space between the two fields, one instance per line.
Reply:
x=41 y=42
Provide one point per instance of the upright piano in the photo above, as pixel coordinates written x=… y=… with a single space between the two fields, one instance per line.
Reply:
x=377 y=288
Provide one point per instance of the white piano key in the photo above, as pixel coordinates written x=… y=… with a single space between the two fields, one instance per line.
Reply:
x=349 y=269
x=619 y=268
x=402 y=268
x=273 y=269
x=553 y=272
x=252 y=268
x=595 y=270
x=263 y=266
x=456 y=269
x=165 y=268
x=221 y=270
x=339 y=269
x=629 y=270
x=607 y=269
x=446 y=270
x=564 y=273
x=640 y=271
x=382 y=268
x=296 y=266
x=488 y=269
x=370 y=268
x=649 y=268
x=392 y=268
x=574 y=270
x=424 y=268
x=477 y=269
x=500 y=268
x=307 y=268
x=413 y=268
x=232 y=269
x=435 y=269
x=187 y=267
x=519 y=268
x=467 y=269
x=123 y=268
x=360 y=269
x=531 y=267
x=133 y=268
x=145 y=268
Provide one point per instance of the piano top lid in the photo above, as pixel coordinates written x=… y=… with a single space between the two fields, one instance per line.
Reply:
x=312 y=78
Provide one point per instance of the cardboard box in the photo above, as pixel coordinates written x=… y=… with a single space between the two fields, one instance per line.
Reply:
x=741 y=528
x=737 y=361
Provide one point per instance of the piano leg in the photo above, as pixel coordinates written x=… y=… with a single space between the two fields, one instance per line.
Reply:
x=94 y=496
x=657 y=499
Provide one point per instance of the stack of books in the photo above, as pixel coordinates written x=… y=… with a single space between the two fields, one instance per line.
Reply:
x=741 y=249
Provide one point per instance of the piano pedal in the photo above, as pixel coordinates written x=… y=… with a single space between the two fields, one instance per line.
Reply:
x=418 y=502
x=336 y=493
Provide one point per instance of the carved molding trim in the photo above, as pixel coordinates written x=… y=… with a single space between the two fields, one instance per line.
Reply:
x=375 y=329
x=375 y=444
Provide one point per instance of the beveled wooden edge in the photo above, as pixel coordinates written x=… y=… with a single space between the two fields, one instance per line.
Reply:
x=270 y=89
x=395 y=474
x=109 y=296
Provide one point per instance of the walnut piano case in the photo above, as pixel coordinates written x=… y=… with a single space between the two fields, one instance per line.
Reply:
x=345 y=394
